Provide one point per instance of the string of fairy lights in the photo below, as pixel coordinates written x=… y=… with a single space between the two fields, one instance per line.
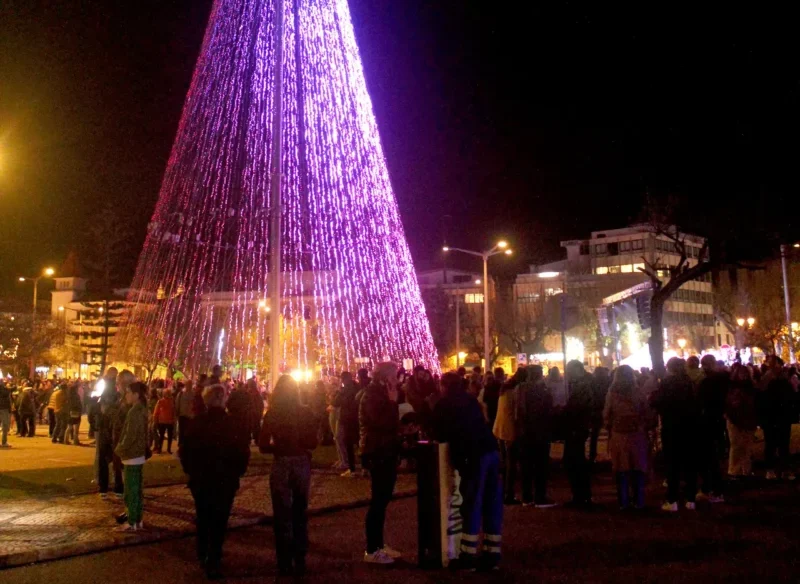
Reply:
x=349 y=289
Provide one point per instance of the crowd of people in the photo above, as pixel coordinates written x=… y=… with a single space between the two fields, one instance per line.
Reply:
x=499 y=429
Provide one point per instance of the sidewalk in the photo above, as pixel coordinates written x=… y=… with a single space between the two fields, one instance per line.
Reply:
x=37 y=530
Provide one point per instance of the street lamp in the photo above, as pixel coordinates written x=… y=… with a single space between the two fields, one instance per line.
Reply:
x=682 y=345
x=740 y=321
x=786 y=304
x=497 y=249
x=547 y=276
x=46 y=273
x=458 y=323
x=751 y=321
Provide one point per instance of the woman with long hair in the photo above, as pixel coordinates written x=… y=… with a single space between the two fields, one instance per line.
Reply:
x=742 y=421
x=289 y=432
x=625 y=416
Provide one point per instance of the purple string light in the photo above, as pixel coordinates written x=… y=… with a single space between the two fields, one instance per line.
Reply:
x=349 y=287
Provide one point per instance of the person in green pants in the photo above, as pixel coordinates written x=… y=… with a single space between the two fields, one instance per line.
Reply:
x=132 y=450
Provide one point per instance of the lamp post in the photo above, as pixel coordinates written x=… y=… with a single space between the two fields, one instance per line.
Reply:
x=784 y=253
x=550 y=275
x=458 y=324
x=744 y=324
x=500 y=247
x=46 y=273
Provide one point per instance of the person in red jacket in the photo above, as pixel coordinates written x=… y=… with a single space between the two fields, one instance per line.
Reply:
x=164 y=419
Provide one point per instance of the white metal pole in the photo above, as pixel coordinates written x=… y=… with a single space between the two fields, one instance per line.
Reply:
x=486 y=349
x=33 y=329
x=275 y=205
x=458 y=329
x=786 y=302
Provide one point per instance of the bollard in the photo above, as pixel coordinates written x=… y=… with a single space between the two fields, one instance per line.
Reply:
x=438 y=506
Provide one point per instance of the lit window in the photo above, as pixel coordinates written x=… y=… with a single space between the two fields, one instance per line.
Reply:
x=601 y=270
x=473 y=299
x=626 y=268
x=613 y=269
x=638 y=267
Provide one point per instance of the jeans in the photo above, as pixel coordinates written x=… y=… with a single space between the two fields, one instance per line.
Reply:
x=383 y=475
x=73 y=428
x=28 y=425
x=483 y=506
x=213 y=503
x=709 y=448
x=627 y=482
x=346 y=450
x=168 y=429
x=578 y=469
x=51 y=422
x=104 y=455
x=183 y=425
x=289 y=483
x=777 y=437
x=5 y=424
x=739 y=462
x=535 y=469
x=680 y=458
x=594 y=436
x=134 y=495
x=62 y=419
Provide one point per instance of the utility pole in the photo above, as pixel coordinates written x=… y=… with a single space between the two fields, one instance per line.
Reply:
x=275 y=206
x=786 y=302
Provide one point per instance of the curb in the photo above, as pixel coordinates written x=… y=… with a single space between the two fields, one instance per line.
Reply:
x=69 y=550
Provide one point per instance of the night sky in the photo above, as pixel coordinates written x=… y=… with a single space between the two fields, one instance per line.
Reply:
x=535 y=124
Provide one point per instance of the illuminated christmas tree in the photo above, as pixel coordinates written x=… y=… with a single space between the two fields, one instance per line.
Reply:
x=349 y=289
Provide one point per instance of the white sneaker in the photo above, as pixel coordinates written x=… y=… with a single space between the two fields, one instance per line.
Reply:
x=347 y=474
x=701 y=496
x=127 y=528
x=771 y=476
x=789 y=476
x=103 y=495
x=665 y=484
x=140 y=526
x=690 y=506
x=391 y=552
x=670 y=507
x=379 y=557
x=712 y=498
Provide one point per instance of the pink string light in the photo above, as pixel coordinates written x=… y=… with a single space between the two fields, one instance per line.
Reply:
x=349 y=287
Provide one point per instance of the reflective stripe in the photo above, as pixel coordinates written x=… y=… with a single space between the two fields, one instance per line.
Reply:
x=491 y=549
x=468 y=550
x=469 y=537
x=488 y=537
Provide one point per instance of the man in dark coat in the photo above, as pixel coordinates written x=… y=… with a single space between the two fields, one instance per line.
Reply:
x=777 y=404
x=578 y=422
x=347 y=429
x=711 y=393
x=379 y=421
x=675 y=402
x=536 y=411
x=215 y=455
